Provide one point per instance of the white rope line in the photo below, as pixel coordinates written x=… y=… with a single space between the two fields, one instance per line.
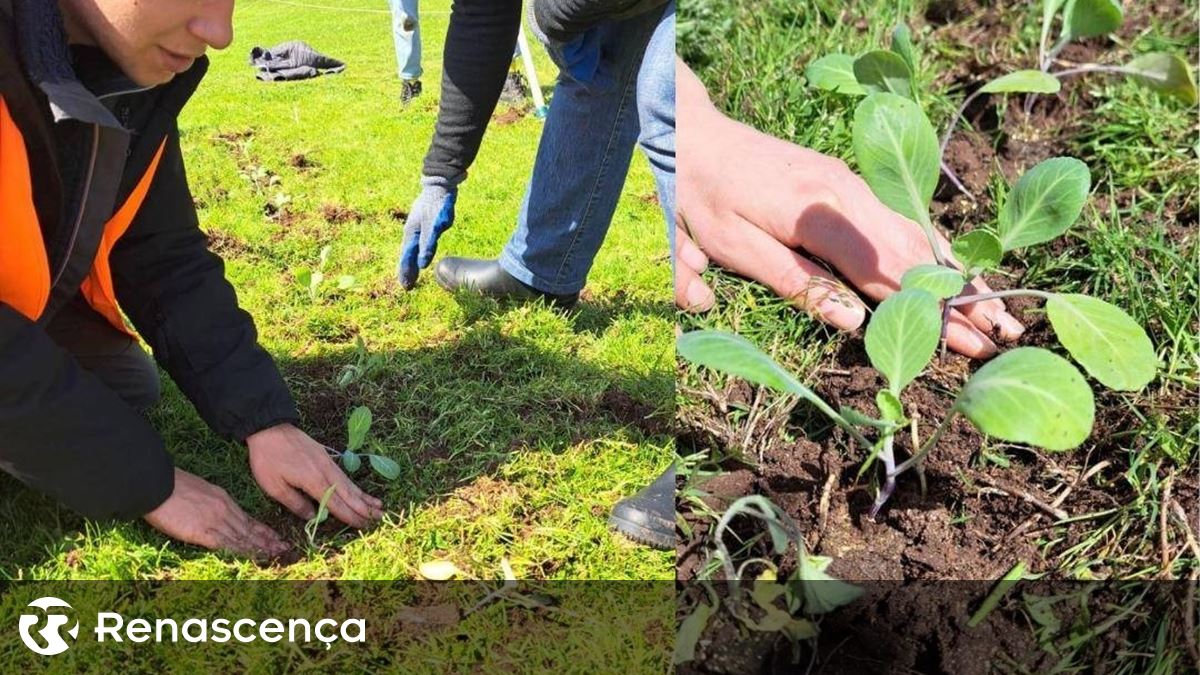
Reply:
x=333 y=8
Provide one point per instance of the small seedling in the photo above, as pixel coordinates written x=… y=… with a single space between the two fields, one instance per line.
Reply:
x=312 y=280
x=357 y=428
x=1026 y=395
x=310 y=528
x=365 y=364
x=894 y=70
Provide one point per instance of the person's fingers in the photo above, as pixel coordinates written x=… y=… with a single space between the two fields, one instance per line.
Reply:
x=990 y=316
x=341 y=509
x=963 y=337
x=687 y=253
x=293 y=500
x=691 y=293
x=408 y=256
x=265 y=533
x=356 y=503
x=760 y=257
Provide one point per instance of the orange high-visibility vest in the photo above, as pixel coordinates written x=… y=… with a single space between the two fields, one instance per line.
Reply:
x=24 y=264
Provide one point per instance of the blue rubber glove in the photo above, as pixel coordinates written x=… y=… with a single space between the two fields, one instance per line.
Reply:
x=431 y=214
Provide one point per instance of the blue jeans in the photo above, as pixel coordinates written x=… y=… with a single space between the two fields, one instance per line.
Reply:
x=406 y=31
x=586 y=147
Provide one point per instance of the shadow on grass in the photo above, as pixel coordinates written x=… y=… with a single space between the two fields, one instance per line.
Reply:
x=448 y=414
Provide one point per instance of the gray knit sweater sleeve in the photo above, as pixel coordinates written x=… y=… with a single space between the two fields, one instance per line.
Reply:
x=479 y=49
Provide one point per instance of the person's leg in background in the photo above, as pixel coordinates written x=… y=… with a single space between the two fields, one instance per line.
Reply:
x=649 y=515
x=582 y=162
x=406 y=32
x=110 y=355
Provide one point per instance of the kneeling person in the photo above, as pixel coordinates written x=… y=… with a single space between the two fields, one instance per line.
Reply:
x=98 y=220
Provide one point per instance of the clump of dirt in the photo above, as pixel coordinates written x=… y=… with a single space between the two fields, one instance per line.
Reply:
x=283 y=216
x=302 y=162
x=512 y=115
x=398 y=214
x=336 y=214
x=225 y=244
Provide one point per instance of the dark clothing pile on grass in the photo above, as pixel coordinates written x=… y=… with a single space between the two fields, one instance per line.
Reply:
x=293 y=60
x=98 y=218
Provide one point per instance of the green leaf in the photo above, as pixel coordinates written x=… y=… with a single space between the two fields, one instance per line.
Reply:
x=902 y=45
x=346 y=282
x=1023 y=81
x=1049 y=9
x=903 y=335
x=1089 y=18
x=890 y=407
x=303 y=276
x=1106 y=341
x=323 y=506
x=360 y=424
x=1044 y=203
x=978 y=250
x=351 y=461
x=735 y=355
x=938 y=280
x=384 y=466
x=1167 y=74
x=897 y=152
x=323 y=256
x=834 y=72
x=1030 y=395
x=882 y=71
x=822 y=592
x=690 y=630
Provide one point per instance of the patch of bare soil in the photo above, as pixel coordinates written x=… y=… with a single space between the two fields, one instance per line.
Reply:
x=336 y=214
x=512 y=115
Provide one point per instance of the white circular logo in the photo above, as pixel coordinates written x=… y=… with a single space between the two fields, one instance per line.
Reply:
x=51 y=638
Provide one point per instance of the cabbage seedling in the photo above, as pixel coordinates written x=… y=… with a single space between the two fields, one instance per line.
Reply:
x=1026 y=395
x=312 y=280
x=357 y=429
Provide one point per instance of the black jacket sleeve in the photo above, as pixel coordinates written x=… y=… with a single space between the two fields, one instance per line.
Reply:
x=175 y=292
x=65 y=433
x=479 y=49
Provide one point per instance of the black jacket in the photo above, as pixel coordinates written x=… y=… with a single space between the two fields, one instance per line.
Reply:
x=61 y=430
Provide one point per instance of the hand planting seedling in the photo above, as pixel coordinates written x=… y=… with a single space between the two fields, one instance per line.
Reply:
x=358 y=427
x=1027 y=395
x=894 y=71
x=312 y=280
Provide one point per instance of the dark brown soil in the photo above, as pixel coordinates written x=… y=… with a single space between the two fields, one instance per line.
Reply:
x=336 y=214
x=512 y=115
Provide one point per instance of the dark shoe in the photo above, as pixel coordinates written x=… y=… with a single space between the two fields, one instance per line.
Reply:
x=409 y=89
x=488 y=278
x=649 y=516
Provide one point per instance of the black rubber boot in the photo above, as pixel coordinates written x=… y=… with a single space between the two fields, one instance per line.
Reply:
x=488 y=278
x=409 y=89
x=648 y=517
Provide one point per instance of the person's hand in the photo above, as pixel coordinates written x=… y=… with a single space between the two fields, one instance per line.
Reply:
x=750 y=202
x=200 y=513
x=431 y=214
x=296 y=471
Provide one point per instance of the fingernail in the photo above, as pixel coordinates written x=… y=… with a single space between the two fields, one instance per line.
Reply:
x=699 y=297
x=1010 y=328
x=841 y=312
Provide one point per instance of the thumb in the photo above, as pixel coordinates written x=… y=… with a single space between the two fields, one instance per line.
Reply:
x=431 y=232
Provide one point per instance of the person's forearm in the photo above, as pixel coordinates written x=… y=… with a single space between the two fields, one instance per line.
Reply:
x=479 y=48
x=692 y=103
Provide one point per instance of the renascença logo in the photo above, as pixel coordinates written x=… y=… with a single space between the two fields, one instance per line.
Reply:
x=54 y=642
x=115 y=627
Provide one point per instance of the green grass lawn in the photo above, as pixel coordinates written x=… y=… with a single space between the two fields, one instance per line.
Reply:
x=517 y=427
